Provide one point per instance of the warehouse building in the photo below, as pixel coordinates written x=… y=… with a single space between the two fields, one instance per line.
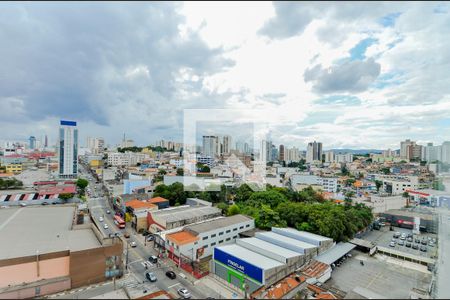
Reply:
x=267 y=258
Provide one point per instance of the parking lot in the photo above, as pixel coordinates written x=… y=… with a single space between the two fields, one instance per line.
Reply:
x=387 y=277
x=384 y=237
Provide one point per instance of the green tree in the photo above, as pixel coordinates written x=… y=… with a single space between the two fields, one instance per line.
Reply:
x=180 y=172
x=233 y=210
x=223 y=207
x=378 y=184
x=65 y=196
x=268 y=218
x=82 y=183
x=386 y=171
x=344 y=171
x=243 y=193
x=270 y=198
x=162 y=172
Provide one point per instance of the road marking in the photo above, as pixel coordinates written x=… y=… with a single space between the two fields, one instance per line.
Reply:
x=169 y=287
x=10 y=218
x=135 y=261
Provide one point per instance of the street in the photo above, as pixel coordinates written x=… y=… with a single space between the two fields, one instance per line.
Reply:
x=443 y=266
x=138 y=256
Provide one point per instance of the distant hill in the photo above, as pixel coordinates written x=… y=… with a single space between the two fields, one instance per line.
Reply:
x=356 y=151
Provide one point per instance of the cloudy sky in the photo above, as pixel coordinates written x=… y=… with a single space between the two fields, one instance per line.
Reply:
x=359 y=75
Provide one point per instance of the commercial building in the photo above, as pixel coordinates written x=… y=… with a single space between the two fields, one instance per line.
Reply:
x=43 y=252
x=423 y=220
x=14 y=168
x=281 y=153
x=261 y=261
x=15 y=197
x=327 y=184
x=179 y=216
x=160 y=202
x=68 y=149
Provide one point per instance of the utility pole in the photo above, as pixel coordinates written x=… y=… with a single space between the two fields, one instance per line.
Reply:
x=126 y=259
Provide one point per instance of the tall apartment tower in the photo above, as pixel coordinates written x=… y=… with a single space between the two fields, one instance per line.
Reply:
x=226 y=144
x=68 y=149
x=211 y=146
x=46 y=142
x=314 y=152
x=281 y=153
x=404 y=148
x=32 y=140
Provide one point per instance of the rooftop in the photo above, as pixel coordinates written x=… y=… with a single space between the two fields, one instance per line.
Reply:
x=286 y=253
x=137 y=204
x=314 y=269
x=184 y=212
x=182 y=237
x=285 y=239
x=158 y=199
x=333 y=254
x=305 y=234
x=45 y=229
x=250 y=257
x=217 y=224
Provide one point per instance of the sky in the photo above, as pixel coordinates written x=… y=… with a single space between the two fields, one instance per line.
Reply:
x=348 y=74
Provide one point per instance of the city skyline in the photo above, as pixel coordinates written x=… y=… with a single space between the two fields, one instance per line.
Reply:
x=363 y=83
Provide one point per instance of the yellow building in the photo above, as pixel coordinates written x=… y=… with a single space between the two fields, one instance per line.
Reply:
x=95 y=163
x=14 y=168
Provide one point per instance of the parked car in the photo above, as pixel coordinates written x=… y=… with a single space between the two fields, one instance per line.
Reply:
x=401 y=243
x=105 y=226
x=403 y=237
x=423 y=242
x=183 y=292
x=150 y=238
x=171 y=274
x=108 y=211
x=133 y=244
x=423 y=248
x=151 y=276
x=410 y=235
x=417 y=240
x=431 y=244
x=126 y=235
x=101 y=219
x=23 y=204
x=396 y=235
x=408 y=244
x=415 y=246
x=392 y=244
x=153 y=259
x=409 y=239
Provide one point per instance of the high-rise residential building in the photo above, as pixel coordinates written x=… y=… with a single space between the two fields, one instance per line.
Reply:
x=274 y=153
x=46 y=142
x=211 y=146
x=343 y=158
x=404 y=148
x=389 y=153
x=413 y=151
x=32 y=140
x=266 y=151
x=314 y=152
x=431 y=153
x=226 y=144
x=329 y=156
x=281 y=153
x=291 y=154
x=445 y=152
x=68 y=149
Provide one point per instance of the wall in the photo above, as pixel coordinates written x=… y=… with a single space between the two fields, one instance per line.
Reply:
x=45 y=287
x=89 y=266
x=24 y=269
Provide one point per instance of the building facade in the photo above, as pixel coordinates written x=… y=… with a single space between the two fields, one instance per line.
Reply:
x=68 y=149
x=314 y=152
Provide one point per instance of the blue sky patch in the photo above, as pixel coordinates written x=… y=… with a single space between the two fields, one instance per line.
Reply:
x=339 y=100
x=389 y=19
x=388 y=79
x=359 y=51
x=441 y=8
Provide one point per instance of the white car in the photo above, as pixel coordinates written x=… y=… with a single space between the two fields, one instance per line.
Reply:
x=101 y=219
x=183 y=292
x=23 y=204
x=133 y=244
x=105 y=226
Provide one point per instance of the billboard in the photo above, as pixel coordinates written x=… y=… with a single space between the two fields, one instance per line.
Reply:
x=239 y=265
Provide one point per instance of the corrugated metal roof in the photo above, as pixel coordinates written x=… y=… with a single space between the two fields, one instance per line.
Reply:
x=267 y=246
x=284 y=239
x=305 y=234
x=333 y=254
x=251 y=257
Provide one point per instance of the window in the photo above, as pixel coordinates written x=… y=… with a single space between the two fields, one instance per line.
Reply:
x=228 y=231
x=220 y=242
x=213 y=235
x=228 y=239
x=205 y=238
x=235 y=237
x=206 y=246
x=247 y=226
x=234 y=229
x=221 y=233
x=213 y=244
x=242 y=227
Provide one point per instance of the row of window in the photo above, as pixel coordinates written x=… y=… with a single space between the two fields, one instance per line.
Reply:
x=228 y=231
x=220 y=242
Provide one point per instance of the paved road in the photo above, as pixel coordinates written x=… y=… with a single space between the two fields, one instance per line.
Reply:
x=138 y=256
x=443 y=270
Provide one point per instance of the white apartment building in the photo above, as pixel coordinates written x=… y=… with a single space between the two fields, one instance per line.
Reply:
x=126 y=159
x=197 y=241
x=291 y=154
x=68 y=149
x=314 y=152
x=344 y=158
x=329 y=156
x=329 y=184
x=211 y=145
x=397 y=185
x=179 y=163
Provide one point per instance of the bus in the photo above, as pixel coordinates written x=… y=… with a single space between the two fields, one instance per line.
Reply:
x=119 y=222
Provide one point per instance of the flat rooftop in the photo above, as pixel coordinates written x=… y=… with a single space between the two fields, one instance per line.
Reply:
x=286 y=239
x=217 y=223
x=26 y=230
x=184 y=212
x=305 y=234
x=251 y=257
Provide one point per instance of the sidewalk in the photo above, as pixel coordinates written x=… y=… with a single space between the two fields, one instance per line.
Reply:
x=224 y=292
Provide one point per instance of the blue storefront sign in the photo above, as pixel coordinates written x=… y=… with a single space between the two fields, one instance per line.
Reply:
x=238 y=265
